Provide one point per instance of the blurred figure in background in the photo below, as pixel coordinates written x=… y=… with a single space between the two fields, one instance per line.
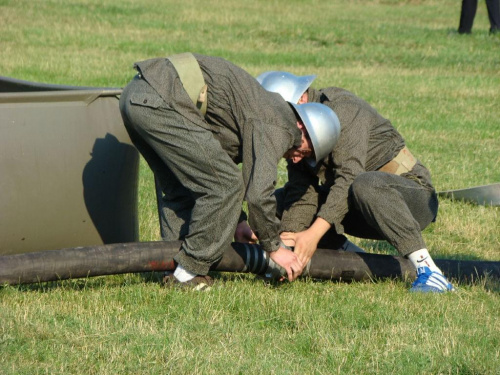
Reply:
x=468 y=12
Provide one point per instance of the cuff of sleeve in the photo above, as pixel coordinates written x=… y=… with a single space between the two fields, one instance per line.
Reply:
x=293 y=226
x=271 y=246
x=296 y=221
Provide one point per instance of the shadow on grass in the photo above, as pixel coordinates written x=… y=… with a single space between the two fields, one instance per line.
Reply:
x=490 y=284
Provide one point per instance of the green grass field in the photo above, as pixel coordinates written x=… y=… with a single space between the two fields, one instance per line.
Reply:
x=440 y=89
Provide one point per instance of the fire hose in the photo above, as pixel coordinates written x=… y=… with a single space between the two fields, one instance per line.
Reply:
x=137 y=257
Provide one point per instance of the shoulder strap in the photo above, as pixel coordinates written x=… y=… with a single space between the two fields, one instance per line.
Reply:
x=191 y=77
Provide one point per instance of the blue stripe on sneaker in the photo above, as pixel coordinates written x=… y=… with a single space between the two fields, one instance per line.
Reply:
x=430 y=281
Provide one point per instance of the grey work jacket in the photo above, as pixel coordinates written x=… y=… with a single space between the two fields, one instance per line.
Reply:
x=367 y=142
x=255 y=127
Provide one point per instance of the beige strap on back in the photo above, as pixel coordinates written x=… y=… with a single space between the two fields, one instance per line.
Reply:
x=402 y=163
x=191 y=77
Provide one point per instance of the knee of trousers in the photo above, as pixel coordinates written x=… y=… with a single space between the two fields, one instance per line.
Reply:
x=366 y=187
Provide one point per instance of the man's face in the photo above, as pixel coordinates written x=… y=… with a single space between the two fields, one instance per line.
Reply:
x=304 y=98
x=304 y=151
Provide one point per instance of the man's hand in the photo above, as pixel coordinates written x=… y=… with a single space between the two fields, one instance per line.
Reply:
x=245 y=234
x=305 y=245
x=306 y=242
x=289 y=261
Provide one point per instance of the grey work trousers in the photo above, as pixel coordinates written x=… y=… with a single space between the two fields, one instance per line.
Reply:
x=202 y=187
x=383 y=206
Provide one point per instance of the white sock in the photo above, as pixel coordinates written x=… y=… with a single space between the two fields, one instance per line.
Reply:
x=421 y=258
x=183 y=274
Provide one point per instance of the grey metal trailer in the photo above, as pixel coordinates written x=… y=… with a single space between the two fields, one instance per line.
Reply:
x=68 y=170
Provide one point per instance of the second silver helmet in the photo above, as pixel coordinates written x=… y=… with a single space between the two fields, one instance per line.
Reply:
x=288 y=85
x=322 y=125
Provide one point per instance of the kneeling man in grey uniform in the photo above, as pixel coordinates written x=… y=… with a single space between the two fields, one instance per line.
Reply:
x=368 y=185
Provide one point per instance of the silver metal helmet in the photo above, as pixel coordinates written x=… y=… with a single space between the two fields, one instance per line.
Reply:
x=323 y=127
x=289 y=86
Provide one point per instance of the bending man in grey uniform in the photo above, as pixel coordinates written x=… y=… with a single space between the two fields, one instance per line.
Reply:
x=194 y=118
x=369 y=185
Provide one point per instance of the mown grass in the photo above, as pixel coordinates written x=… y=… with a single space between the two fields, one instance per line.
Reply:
x=440 y=89
x=129 y=325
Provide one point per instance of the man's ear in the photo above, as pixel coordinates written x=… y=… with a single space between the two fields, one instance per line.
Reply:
x=300 y=125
